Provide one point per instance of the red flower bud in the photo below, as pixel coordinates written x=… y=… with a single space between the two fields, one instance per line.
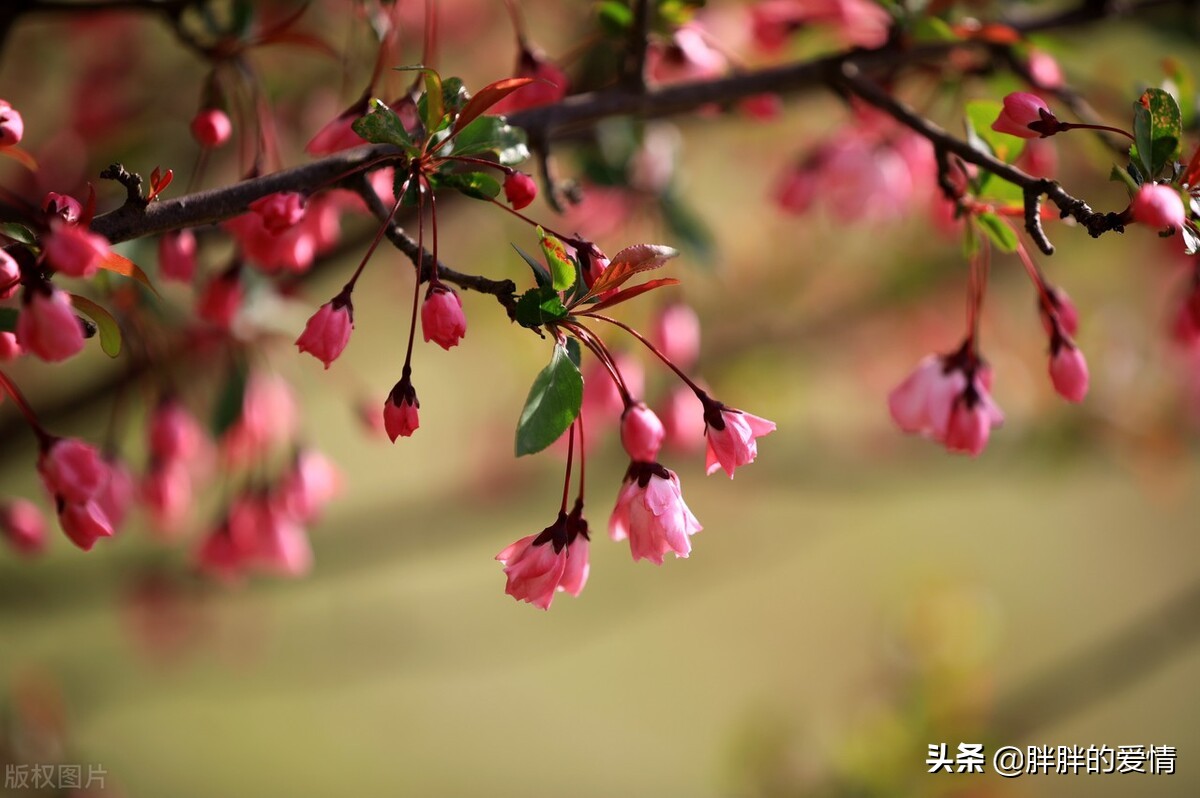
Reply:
x=328 y=331
x=1157 y=205
x=12 y=126
x=519 y=190
x=211 y=127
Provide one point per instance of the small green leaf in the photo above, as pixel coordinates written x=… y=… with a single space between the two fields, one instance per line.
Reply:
x=110 y=332
x=539 y=306
x=491 y=134
x=1166 y=129
x=18 y=232
x=382 y=126
x=615 y=17
x=435 y=108
x=8 y=319
x=474 y=184
x=562 y=267
x=980 y=116
x=970 y=243
x=553 y=403
x=933 y=29
x=539 y=271
x=998 y=231
x=574 y=352
x=228 y=407
x=1143 y=146
x=454 y=95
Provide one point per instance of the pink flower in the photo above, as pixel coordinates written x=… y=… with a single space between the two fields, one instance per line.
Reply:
x=1158 y=206
x=267 y=538
x=650 y=511
x=676 y=333
x=10 y=275
x=73 y=250
x=9 y=348
x=21 y=523
x=62 y=206
x=442 y=319
x=688 y=57
x=797 y=189
x=946 y=399
x=312 y=482
x=1064 y=310
x=1044 y=70
x=519 y=189
x=177 y=255
x=72 y=470
x=269 y=418
x=732 y=437
x=167 y=493
x=328 y=331
x=763 y=107
x=400 y=417
x=84 y=523
x=12 y=126
x=175 y=434
x=1069 y=371
x=219 y=556
x=538 y=566
x=1022 y=112
x=912 y=402
x=47 y=325
x=279 y=211
x=222 y=298
x=211 y=127
x=973 y=414
x=641 y=433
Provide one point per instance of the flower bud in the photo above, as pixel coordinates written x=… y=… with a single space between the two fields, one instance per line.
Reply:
x=73 y=470
x=211 y=127
x=676 y=333
x=21 y=523
x=519 y=189
x=84 y=523
x=641 y=433
x=48 y=327
x=10 y=275
x=9 y=348
x=400 y=417
x=1022 y=111
x=12 y=126
x=328 y=331
x=1158 y=206
x=1069 y=372
x=177 y=255
x=222 y=298
x=442 y=319
x=62 y=206
x=280 y=211
x=73 y=250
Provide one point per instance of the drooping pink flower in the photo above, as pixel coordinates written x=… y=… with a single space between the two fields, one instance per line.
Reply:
x=328 y=330
x=175 y=434
x=279 y=211
x=73 y=250
x=641 y=433
x=442 y=318
x=12 y=126
x=400 y=417
x=23 y=526
x=538 y=566
x=47 y=326
x=269 y=539
x=177 y=255
x=269 y=418
x=862 y=180
x=63 y=207
x=650 y=511
x=947 y=399
x=1158 y=206
x=1022 y=113
x=973 y=414
x=211 y=127
x=519 y=189
x=1064 y=310
x=84 y=523
x=1069 y=371
x=73 y=470
x=911 y=403
x=676 y=333
x=1044 y=70
x=10 y=275
x=732 y=437
x=9 y=348
x=222 y=298
x=219 y=556
x=167 y=494
x=311 y=483
x=687 y=57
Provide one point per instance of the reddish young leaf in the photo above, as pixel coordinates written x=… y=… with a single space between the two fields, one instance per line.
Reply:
x=1191 y=175
x=20 y=156
x=159 y=182
x=124 y=266
x=485 y=98
x=630 y=293
x=628 y=262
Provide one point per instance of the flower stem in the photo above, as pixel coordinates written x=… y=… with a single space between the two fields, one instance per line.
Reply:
x=44 y=438
x=696 y=389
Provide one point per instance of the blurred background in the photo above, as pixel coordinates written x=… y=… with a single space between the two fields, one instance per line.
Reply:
x=855 y=596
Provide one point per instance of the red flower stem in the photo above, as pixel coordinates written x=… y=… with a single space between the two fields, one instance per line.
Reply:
x=412 y=327
x=593 y=343
x=572 y=241
x=433 y=274
x=582 y=455
x=700 y=392
x=44 y=438
x=349 y=287
x=1105 y=128
x=1039 y=282
x=479 y=162
x=570 y=456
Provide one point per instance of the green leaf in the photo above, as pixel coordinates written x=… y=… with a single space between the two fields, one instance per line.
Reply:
x=970 y=243
x=1166 y=129
x=980 y=116
x=998 y=231
x=454 y=95
x=382 y=126
x=539 y=271
x=562 y=268
x=110 y=332
x=933 y=29
x=491 y=134
x=1143 y=146
x=539 y=306
x=18 y=232
x=615 y=17
x=553 y=403
x=435 y=107
x=474 y=184
x=228 y=407
x=574 y=352
x=8 y=319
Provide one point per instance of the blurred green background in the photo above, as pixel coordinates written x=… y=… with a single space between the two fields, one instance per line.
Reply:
x=855 y=596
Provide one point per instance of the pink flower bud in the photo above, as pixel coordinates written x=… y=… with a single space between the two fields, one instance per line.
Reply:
x=211 y=127
x=73 y=470
x=650 y=511
x=9 y=348
x=222 y=298
x=269 y=418
x=62 y=206
x=968 y=430
x=1069 y=372
x=219 y=556
x=328 y=331
x=1044 y=70
x=641 y=433
x=400 y=417
x=177 y=255
x=73 y=250
x=442 y=319
x=312 y=482
x=519 y=190
x=175 y=434
x=48 y=327
x=1021 y=110
x=84 y=523
x=10 y=275
x=22 y=525
x=732 y=437
x=1064 y=308
x=279 y=211
x=538 y=566
x=167 y=493
x=1158 y=206
x=687 y=57
x=12 y=126
x=676 y=333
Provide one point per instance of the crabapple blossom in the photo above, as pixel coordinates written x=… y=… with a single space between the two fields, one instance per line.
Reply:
x=84 y=523
x=62 y=206
x=310 y=484
x=175 y=434
x=328 y=330
x=641 y=433
x=651 y=513
x=676 y=332
x=167 y=494
x=519 y=189
x=222 y=298
x=47 y=326
x=1069 y=371
x=400 y=416
x=538 y=566
x=683 y=422
x=73 y=250
x=732 y=437
x=9 y=348
x=177 y=255
x=442 y=318
x=946 y=399
x=1158 y=206
x=1022 y=111
x=280 y=211
x=12 y=126
x=23 y=526
x=1064 y=310
x=211 y=127
x=687 y=57
x=116 y=496
x=73 y=470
